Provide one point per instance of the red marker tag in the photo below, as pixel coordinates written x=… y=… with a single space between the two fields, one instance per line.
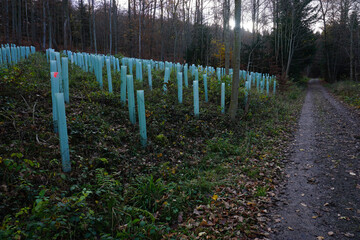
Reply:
x=55 y=74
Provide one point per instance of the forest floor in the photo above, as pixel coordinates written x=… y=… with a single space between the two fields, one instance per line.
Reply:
x=198 y=178
x=320 y=195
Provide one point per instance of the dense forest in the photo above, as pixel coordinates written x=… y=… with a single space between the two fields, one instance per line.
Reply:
x=287 y=38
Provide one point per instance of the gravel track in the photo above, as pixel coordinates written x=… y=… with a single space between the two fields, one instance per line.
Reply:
x=321 y=195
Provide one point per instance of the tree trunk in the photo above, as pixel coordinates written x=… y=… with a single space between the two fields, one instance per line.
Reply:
x=27 y=21
x=351 y=49
x=19 y=22
x=115 y=25
x=44 y=25
x=226 y=35
x=65 y=7
x=81 y=24
x=6 y=25
x=153 y=29
x=110 y=29
x=162 y=29
x=94 y=26
x=50 y=24
x=139 y=28
x=130 y=42
x=32 y=17
x=236 y=76
x=13 y=17
x=90 y=23
x=105 y=38
x=324 y=10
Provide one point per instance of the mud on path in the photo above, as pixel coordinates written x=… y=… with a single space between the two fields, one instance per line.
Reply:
x=320 y=198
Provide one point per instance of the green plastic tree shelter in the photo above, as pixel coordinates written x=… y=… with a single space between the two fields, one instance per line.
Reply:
x=222 y=98
x=108 y=71
x=142 y=117
x=180 y=87
x=196 y=98
x=131 y=99
x=54 y=90
x=149 y=77
x=63 y=135
x=123 y=85
x=65 y=76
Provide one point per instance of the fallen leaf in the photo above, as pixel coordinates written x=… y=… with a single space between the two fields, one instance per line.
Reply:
x=303 y=204
x=215 y=197
x=204 y=223
x=314 y=217
x=197 y=212
x=290 y=228
x=320 y=238
x=202 y=234
x=349 y=235
x=330 y=233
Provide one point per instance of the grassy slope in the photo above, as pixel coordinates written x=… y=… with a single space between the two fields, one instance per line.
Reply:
x=197 y=177
x=348 y=91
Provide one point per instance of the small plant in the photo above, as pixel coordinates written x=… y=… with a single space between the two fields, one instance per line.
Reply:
x=149 y=193
x=223 y=146
x=261 y=191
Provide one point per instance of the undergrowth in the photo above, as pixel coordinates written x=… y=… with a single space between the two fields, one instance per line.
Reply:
x=348 y=91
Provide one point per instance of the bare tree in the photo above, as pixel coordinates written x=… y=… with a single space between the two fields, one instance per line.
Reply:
x=162 y=29
x=115 y=13
x=139 y=28
x=65 y=7
x=32 y=20
x=13 y=15
x=94 y=26
x=44 y=25
x=50 y=24
x=226 y=16
x=236 y=75
x=19 y=32
x=110 y=28
x=26 y=20
x=6 y=16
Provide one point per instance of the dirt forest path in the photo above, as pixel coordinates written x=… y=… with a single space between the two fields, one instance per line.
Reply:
x=320 y=198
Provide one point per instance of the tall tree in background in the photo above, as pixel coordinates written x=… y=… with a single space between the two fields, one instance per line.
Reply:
x=32 y=21
x=324 y=7
x=139 y=28
x=94 y=26
x=26 y=20
x=65 y=7
x=352 y=27
x=234 y=102
x=110 y=28
x=44 y=25
x=115 y=11
x=226 y=17
x=6 y=16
